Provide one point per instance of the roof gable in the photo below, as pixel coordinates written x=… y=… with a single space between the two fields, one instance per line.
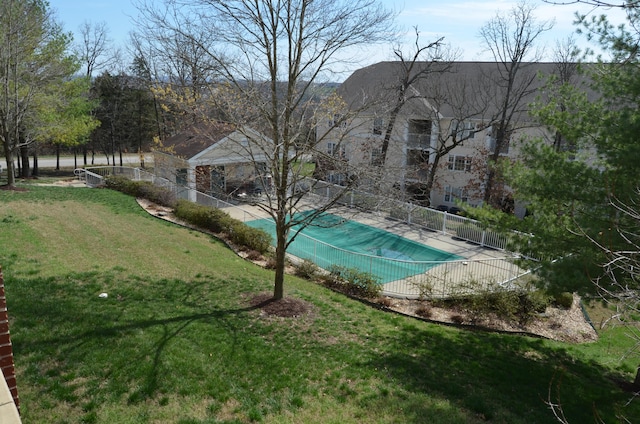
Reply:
x=197 y=138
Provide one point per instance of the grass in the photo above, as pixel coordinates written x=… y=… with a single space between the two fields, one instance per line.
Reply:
x=177 y=342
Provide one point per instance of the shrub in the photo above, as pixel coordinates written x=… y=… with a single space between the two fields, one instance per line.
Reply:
x=470 y=232
x=353 y=282
x=254 y=255
x=564 y=299
x=307 y=270
x=506 y=304
x=219 y=221
x=457 y=319
x=424 y=311
x=249 y=237
x=203 y=217
x=271 y=263
x=399 y=213
x=537 y=301
x=143 y=189
x=384 y=301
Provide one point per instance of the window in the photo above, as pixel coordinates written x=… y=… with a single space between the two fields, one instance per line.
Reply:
x=334 y=149
x=463 y=130
x=504 y=147
x=417 y=157
x=451 y=194
x=419 y=133
x=459 y=163
x=331 y=148
x=336 y=178
x=378 y=124
x=338 y=121
x=376 y=156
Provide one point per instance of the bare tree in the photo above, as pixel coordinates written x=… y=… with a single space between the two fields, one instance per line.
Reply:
x=387 y=96
x=460 y=97
x=565 y=54
x=598 y=3
x=511 y=40
x=271 y=56
x=412 y=71
x=95 y=50
x=620 y=287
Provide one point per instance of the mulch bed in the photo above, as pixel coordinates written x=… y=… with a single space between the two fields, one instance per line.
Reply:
x=288 y=307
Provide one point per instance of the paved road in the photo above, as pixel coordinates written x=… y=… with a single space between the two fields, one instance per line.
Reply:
x=69 y=161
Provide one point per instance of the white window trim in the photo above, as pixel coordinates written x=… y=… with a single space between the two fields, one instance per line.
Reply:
x=456 y=160
x=452 y=193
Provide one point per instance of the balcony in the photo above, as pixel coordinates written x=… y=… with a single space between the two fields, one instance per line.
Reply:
x=419 y=141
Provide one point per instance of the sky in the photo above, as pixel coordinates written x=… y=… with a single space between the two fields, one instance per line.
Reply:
x=458 y=21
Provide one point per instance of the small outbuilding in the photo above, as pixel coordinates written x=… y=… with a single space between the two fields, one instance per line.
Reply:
x=215 y=158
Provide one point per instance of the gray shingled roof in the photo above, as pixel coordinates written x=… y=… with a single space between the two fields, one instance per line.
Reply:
x=478 y=81
x=193 y=140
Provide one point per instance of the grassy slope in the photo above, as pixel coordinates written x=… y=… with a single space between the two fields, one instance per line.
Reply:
x=175 y=341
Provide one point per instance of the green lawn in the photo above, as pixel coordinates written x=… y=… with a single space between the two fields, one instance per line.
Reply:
x=176 y=340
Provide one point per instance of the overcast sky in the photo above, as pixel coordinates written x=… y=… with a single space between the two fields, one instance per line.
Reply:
x=459 y=21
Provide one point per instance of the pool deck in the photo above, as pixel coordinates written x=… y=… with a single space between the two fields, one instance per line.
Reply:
x=478 y=263
x=435 y=239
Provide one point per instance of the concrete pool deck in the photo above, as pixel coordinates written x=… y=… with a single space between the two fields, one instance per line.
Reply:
x=479 y=264
x=437 y=240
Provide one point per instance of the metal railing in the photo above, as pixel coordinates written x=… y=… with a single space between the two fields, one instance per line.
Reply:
x=413 y=279
x=400 y=278
x=453 y=225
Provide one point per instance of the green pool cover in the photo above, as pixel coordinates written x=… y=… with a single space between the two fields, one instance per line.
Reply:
x=332 y=240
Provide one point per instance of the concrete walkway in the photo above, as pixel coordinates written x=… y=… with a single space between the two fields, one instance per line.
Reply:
x=8 y=411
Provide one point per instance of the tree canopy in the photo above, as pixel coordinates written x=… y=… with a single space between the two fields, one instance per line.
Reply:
x=35 y=69
x=580 y=194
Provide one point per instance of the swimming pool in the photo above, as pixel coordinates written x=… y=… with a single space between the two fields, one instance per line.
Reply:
x=333 y=240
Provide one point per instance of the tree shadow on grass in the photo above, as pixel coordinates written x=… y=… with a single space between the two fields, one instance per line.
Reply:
x=149 y=340
x=502 y=378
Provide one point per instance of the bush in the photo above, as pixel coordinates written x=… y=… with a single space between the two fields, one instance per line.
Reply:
x=218 y=221
x=142 y=189
x=384 y=301
x=204 y=217
x=271 y=263
x=506 y=304
x=564 y=299
x=248 y=237
x=307 y=270
x=254 y=255
x=424 y=311
x=353 y=282
x=537 y=301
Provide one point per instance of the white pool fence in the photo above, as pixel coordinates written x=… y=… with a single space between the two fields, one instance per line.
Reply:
x=408 y=279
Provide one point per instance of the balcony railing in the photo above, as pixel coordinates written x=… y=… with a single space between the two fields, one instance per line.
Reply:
x=419 y=140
